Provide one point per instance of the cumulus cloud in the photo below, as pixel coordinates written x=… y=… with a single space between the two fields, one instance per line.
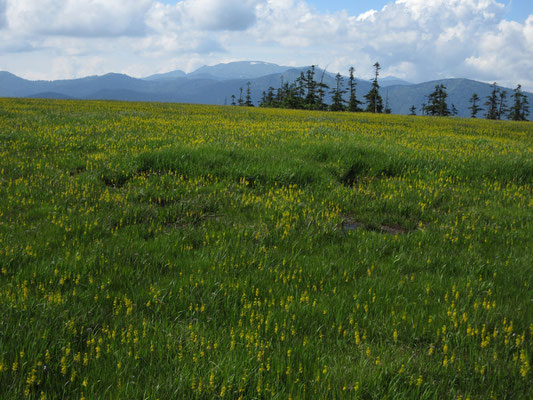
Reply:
x=213 y=15
x=203 y=15
x=506 y=53
x=3 y=17
x=413 y=39
x=95 y=18
x=294 y=24
x=435 y=35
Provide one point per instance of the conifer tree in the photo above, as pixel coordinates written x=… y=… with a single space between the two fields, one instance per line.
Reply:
x=270 y=99
x=233 y=100
x=337 y=95
x=454 y=111
x=290 y=96
x=248 y=102
x=321 y=93
x=474 y=107
x=492 y=102
x=240 y=101
x=502 y=107
x=311 y=97
x=353 y=103
x=519 y=111
x=437 y=102
x=300 y=84
x=387 y=108
x=412 y=110
x=373 y=99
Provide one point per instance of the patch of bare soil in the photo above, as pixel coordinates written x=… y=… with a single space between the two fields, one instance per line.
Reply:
x=350 y=224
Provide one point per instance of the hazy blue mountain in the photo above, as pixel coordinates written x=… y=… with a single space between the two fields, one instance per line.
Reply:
x=166 y=76
x=50 y=95
x=392 y=81
x=207 y=85
x=13 y=86
x=239 y=70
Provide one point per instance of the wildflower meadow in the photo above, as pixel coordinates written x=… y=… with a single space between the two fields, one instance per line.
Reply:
x=167 y=251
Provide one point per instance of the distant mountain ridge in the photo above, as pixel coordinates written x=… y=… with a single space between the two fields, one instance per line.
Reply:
x=216 y=84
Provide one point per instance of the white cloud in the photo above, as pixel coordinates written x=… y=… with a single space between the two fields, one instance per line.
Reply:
x=367 y=16
x=94 y=18
x=413 y=39
x=416 y=39
x=214 y=15
x=506 y=54
x=203 y=15
x=3 y=18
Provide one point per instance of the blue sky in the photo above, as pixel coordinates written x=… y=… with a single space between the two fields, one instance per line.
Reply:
x=516 y=10
x=416 y=40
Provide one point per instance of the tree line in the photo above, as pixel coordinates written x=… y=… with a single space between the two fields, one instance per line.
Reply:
x=308 y=92
x=496 y=104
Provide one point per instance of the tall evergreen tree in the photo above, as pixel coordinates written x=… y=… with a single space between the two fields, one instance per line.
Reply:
x=502 y=107
x=337 y=95
x=248 y=102
x=373 y=99
x=437 y=102
x=321 y=92
x=454 y=111
x=492 y=102
x=311 y=98
x=412 y=110
x=290 y=96
x=240 y=102
x=233 y=100
x=270 y=98
x=300 y=84
x=519 y=111
x=474 y=107
x=387 y=109
x=353 y=103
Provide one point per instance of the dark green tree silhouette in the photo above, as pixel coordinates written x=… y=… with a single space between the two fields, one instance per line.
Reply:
x=269 y=99
x=387 y=109
x=248 y=102
x=502 y=107
x=437 y=105
x=519 y=111
x=492 y=102
x=337 y=95
x=240 y=102
x=321 y=91
x=374 y=102
x=353 y=103
x=412 y=110
x=454 y=111
x=311 y=86
x=474 y=105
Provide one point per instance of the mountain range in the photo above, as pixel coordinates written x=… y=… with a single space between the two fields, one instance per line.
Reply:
x=216 y=84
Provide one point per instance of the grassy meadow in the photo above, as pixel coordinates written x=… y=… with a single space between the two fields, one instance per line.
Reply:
x=165 y=251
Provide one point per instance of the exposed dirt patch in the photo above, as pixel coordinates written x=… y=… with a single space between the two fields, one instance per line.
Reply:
x=350 y=224
x=77 y=171
x=193 y=220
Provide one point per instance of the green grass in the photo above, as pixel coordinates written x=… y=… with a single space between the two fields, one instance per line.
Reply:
x=158 y=251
